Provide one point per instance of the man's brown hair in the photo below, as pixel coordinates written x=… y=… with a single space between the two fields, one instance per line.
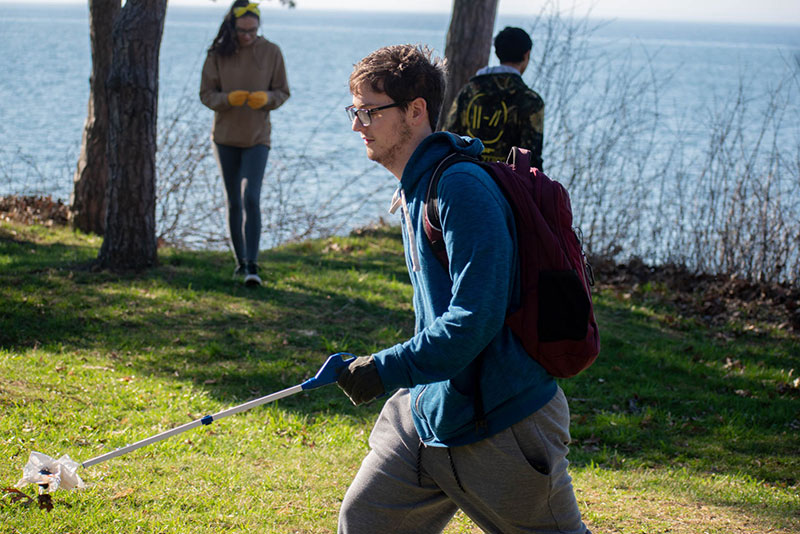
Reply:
x=403 y=72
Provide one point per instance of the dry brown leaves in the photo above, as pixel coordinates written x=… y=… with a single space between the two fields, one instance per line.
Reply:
x=34 y=210
x=15 y=496
x=713 y=299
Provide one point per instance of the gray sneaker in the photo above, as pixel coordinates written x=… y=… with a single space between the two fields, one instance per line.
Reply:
x=240 y=271
x=251 y=278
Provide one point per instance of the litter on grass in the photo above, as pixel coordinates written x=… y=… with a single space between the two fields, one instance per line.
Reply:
x=50 y=474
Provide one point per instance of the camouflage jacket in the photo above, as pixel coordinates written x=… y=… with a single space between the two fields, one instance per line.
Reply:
x=501 y=111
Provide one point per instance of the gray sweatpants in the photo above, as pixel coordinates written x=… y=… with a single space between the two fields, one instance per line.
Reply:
x=512 y=482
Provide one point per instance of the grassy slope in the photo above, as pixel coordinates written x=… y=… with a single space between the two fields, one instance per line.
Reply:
x=676 y=428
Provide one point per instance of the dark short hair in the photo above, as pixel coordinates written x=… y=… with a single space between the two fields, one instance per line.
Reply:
x=403 y=72
x=511 y=44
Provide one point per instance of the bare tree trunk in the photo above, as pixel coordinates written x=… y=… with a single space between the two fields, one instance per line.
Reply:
x=469 y=43
x=88 y=205
x=130 y=237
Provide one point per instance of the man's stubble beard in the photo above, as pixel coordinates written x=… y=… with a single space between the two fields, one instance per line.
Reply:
x=388 y=158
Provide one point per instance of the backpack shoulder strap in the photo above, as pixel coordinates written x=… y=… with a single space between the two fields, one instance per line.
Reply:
x=430 y=208
x=433 y=230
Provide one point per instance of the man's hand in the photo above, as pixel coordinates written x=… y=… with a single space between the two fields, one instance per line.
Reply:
x=257 y=99
x=237 y=98
x=360 y=380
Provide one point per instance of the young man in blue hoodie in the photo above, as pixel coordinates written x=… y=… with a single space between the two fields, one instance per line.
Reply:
x=432 y=452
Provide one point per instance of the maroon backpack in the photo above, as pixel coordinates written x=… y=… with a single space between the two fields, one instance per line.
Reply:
x=555 y=321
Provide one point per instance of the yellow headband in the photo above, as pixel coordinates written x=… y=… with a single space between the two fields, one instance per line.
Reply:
x=252 y=8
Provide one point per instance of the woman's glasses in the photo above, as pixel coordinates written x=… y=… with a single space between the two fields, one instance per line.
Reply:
x=247 y=31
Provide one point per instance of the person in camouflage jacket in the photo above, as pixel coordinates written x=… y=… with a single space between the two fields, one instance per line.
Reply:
x=497 y=107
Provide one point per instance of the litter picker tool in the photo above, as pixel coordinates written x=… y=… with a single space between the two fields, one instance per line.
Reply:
x=50 y=474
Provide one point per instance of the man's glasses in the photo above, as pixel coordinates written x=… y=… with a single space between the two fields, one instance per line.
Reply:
x=365 y=115
x=247 y=31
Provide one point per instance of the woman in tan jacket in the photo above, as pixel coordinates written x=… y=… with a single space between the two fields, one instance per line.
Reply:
x=243 y=79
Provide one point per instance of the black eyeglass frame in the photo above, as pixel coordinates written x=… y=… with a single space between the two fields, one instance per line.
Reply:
x=353 y=112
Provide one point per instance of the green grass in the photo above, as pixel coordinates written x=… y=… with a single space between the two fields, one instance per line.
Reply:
x=676 y=428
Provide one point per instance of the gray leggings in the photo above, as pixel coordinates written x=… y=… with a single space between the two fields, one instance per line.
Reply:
x=513 y=482
x=243 y=172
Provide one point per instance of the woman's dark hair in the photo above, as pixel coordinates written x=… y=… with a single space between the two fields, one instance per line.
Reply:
x=225 y=43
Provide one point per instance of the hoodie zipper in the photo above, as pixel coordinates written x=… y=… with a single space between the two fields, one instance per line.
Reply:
x=417 y=400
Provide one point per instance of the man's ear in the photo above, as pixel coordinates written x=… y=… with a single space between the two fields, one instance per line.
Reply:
x=418 y=111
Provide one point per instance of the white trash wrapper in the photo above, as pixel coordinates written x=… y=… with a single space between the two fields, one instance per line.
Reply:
x=45 y=471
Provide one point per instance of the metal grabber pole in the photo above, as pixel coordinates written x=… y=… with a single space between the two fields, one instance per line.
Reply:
x=49 y=473
x=326 y=375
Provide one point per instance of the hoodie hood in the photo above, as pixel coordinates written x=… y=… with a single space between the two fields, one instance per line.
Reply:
x=431 y=151
x=498 y=69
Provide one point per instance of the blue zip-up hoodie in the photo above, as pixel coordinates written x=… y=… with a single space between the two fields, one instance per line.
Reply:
x=461 y=312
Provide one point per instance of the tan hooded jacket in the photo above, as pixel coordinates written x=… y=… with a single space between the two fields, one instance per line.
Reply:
x=258 y=67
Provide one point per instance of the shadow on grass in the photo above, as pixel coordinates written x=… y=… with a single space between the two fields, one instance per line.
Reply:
x=658 y=395
x=188 y=320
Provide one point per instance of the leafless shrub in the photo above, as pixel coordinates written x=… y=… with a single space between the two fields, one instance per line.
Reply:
x=640 y=185
x=21 y=173
x=303 y=195
x=301 y=202
x=746 y=206
x=601 y=118
x=190 y=202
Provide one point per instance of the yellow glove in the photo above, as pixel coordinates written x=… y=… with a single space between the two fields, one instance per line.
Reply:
x=237 y=98
x=257 y=99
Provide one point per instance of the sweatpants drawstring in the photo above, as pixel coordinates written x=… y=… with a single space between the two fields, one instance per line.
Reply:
x=453 y=469
x=419 y=463
x=452 y=466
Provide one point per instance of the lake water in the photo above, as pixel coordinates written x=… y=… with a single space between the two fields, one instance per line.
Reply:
x=46 y=64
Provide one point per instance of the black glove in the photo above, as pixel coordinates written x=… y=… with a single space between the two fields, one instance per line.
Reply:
x=360 y=380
